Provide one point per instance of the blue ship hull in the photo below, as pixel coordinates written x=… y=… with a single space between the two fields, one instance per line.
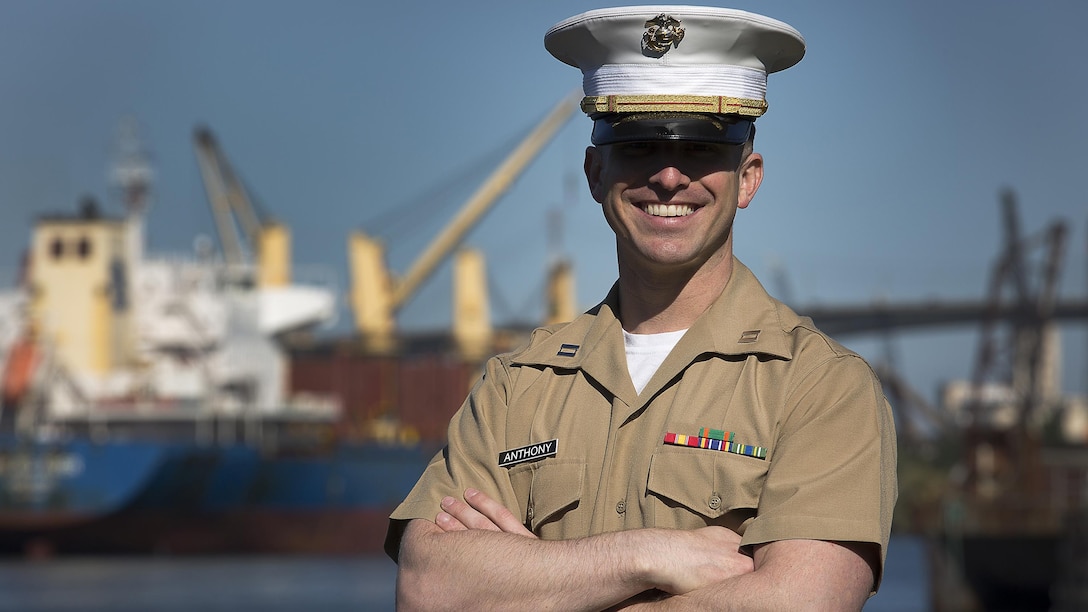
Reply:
x=138 y=497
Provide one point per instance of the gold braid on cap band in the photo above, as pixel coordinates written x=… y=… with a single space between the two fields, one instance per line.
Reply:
x=719 y=105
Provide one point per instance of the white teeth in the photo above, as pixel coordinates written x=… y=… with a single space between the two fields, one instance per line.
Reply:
x=669 y=210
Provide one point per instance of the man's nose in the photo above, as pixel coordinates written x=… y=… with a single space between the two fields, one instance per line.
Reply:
x=670 y=177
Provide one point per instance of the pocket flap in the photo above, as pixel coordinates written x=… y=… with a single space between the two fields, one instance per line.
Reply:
x=708 y=483
x=556 y=486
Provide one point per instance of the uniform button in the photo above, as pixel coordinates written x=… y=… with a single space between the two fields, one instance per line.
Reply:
x=715 y=502
x=529 y=513
x=621 y=507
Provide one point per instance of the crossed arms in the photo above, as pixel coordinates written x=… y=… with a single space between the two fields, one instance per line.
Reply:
x=478 y=555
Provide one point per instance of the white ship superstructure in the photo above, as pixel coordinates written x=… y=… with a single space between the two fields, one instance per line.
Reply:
x=101 y=334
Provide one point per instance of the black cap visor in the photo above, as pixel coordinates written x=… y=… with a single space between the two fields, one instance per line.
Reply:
x=612 y=128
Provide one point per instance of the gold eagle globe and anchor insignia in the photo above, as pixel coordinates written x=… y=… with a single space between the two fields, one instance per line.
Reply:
x=662 y=33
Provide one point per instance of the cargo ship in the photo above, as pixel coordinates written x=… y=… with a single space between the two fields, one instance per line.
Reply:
x=150 y=402
x=191 y=403
x=162 y=424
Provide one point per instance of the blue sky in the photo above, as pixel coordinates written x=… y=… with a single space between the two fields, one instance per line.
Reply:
x=886 y=147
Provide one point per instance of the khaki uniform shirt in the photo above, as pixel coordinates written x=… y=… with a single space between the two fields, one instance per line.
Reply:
x=749 y=365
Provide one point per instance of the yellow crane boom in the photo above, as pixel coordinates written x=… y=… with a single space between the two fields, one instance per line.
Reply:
x=377 y=295
x=482 y=201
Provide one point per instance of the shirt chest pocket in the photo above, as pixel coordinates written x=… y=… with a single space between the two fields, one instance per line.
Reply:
x=696 y=487
x=550 y=496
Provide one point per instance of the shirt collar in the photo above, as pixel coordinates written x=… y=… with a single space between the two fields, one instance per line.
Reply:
x=743 y=320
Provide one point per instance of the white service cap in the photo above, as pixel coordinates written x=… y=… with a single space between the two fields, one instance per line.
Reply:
x=675 y=59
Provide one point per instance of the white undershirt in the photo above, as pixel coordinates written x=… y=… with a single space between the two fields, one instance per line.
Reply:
x=645 y=352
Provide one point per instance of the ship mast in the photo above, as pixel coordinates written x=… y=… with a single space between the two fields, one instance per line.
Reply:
x=132 y=174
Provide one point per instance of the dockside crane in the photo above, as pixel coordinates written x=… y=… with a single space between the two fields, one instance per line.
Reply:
x=377 y=295
x=1004 y=475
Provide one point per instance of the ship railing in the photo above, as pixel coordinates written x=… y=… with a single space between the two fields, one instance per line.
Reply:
x=192 y=422
x=315 y=275
x=244 y=274
x=1038 y=515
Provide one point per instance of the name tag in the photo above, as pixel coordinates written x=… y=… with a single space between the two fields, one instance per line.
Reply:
x=532 y=452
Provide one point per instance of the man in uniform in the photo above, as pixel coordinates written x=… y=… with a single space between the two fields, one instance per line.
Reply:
x=690 y=441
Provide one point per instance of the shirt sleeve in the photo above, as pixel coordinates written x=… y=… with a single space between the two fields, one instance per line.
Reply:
x=833 y=473
x=470 y=458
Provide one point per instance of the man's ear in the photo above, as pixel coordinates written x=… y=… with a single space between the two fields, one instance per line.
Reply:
x=593 y=165
x=749 y=178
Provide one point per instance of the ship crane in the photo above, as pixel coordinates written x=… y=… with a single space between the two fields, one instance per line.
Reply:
x=256 y=249
x=377 y=295
x=244 y=234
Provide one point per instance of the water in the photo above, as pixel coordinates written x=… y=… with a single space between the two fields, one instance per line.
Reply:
x=238 y=584
x=906 y=578
x=281 y=584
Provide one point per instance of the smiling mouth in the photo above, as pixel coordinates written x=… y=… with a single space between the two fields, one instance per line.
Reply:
x=668 y=210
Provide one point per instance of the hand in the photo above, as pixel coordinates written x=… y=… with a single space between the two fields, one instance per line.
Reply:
x=478 y=511
x=689 y=560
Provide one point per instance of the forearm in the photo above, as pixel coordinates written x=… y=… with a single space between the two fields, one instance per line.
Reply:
x=749 y=593
x=480 y=569
x=790 y=575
